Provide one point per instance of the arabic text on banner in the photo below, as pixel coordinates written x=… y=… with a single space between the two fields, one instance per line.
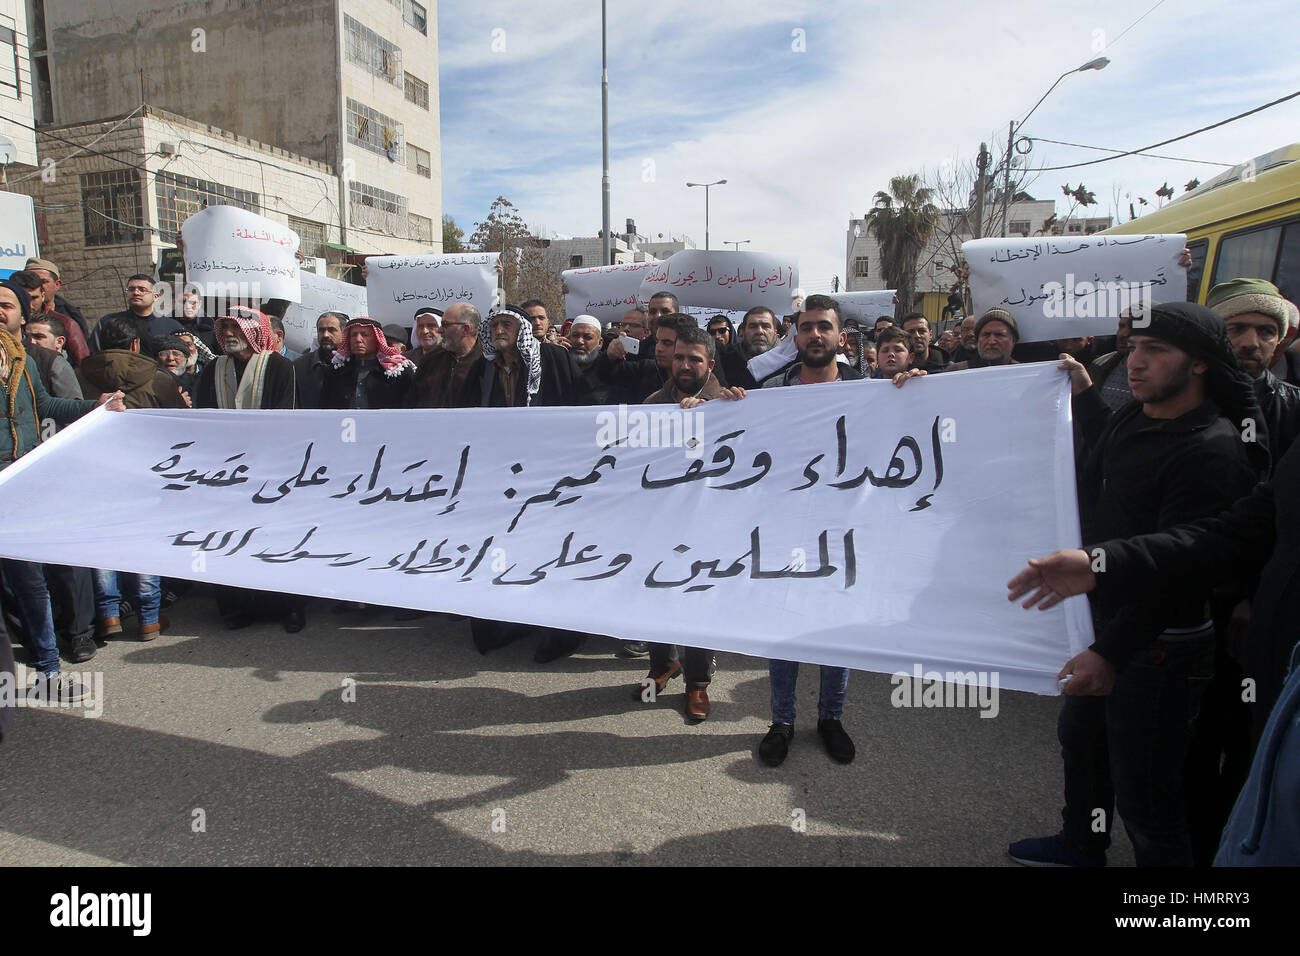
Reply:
x=320 y=294
x=1061 y=287
x=725 y=280
x=237 y=254
x=854 y=524
x=605 y=292
x=399 y=286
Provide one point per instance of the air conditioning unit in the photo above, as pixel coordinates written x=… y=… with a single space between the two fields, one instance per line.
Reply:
x=166 y=149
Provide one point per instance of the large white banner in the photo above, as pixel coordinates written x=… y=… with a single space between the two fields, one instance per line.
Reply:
x=320 y=294
x=725 y=280
x=398 y=286
x=606 y=292
x=17 y=232
x=1060 y=287
x=234 y=253
x=858 y=524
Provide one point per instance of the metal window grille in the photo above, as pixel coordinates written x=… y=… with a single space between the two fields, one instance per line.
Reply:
x=369 y=50
x=180 y=197
x=110 y=201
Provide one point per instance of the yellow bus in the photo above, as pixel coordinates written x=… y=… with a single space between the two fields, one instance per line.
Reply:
x=1243 y=223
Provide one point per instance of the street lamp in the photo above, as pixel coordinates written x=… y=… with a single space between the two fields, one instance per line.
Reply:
x=1013 y=127
x=706 y=208
x=736 y=243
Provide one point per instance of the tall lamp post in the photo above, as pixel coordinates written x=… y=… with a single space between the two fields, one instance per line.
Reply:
x=706 y=186
x=736 y=244
x=604 y=145
x=1013 y=127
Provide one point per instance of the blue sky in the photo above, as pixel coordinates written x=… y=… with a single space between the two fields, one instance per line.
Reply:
x=702 y=91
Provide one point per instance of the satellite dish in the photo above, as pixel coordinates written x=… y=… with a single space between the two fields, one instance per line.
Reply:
x=8 y=151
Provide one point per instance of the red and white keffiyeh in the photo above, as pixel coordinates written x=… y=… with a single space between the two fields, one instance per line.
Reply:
x=390 y=357
x=255 y=325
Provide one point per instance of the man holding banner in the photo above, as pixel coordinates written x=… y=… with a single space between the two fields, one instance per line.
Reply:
x=1132 y=696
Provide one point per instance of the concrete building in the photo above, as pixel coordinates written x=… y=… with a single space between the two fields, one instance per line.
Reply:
x=352 y=84
x=102 y=219
x=17 y=98
x=627 y=246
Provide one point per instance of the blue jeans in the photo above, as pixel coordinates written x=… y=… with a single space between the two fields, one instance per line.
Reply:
x=1127 y=750
x=830 y=700
x=26 y=580
x=143 y=591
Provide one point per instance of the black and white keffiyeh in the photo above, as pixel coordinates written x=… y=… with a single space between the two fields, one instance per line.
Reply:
x=530 y=348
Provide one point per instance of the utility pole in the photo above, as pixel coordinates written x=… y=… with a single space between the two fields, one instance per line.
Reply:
x=982 y=166
x=604 y=140
x=1006 y=190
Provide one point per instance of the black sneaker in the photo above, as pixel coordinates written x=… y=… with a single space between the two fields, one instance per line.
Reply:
x=776 y=744
x=1052 y=851
x=81 y=649
x=837 y=742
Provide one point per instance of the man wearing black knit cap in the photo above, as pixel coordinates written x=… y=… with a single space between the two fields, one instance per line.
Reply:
x=1174 y=455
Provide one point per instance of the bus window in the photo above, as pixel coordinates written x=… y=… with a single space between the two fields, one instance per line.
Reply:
x=1247 y=255
x=1197 y=248
x=1288 y=263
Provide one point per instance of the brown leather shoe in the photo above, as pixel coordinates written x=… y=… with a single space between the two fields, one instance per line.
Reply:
x=661 y=681
x=697 y=704
x=106 y=627
x=149 y=631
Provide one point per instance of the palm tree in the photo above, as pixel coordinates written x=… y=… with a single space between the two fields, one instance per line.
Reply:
x=903 y=222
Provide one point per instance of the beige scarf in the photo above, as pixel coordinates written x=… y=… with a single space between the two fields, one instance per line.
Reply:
x=248 y=390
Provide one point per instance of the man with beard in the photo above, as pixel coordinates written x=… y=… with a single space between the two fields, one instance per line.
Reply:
x=965 y=349
x=661 y=304
x=692 y=380
x=1261 y=324
x=1174 y=455
x=996 y=335
x=365 y=371
x=818 y=340
x=440 y=378
x=249 y=373
x=925 y=354
x=639 y=378
x=540 y=322
x=518 y=370
x=310 y=368
x=584 y=346
x=427 y=336
x=721 y=330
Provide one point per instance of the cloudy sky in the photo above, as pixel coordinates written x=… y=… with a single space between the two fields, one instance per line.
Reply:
x=808 y=108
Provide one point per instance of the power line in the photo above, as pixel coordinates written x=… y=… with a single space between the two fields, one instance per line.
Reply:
x=1132 y=25
x=1107 y=149
x=1166 y=142
x=81 y=149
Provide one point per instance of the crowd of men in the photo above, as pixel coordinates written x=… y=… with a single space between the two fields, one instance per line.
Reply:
x=1154 y=723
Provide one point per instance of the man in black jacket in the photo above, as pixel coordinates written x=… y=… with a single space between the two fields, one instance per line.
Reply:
x=310 y=368
x=1132 y=695
x=1260 y=325
x=518 y=369
x=367 y=372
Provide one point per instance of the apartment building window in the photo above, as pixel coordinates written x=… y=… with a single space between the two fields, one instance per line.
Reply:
x=417 y=91
x=575 y=262
x=10 y=78
x=421 y=228
x=1075 y=227
x=376 y=132
x=1019 y=227
x=418 y=161
x=111 y=207
x=416 y=16
x=180 y=197
x=311 y=236
x=373 y=53
x=860 y=266
x=378 y=210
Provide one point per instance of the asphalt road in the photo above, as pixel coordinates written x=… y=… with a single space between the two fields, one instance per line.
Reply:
x=221 y=747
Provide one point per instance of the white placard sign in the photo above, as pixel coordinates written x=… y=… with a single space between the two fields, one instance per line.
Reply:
x=1061 y=287
x=236 y=254
x=735 y=281
x=399 y=286
x=606 y=292
x=17 y=232
x=504 y=514
x=320 y=294
x=866 y=307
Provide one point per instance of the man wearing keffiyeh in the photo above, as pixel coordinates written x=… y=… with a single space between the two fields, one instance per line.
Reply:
x=366 y=371
x=250 y=373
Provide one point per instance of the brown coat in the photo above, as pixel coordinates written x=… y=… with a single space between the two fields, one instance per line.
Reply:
x=668 y=395
x=143 y=381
